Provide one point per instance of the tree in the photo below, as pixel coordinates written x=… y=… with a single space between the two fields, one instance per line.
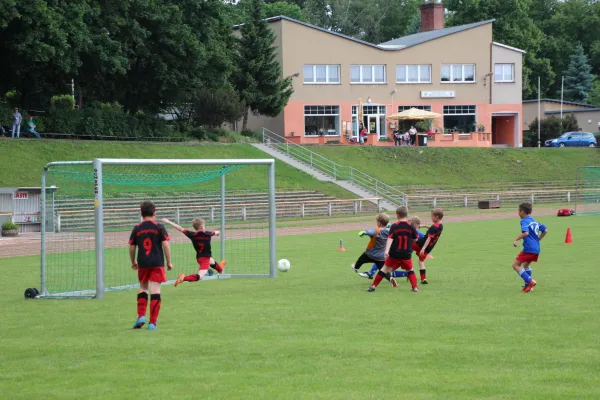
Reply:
x=258 y=76
x=317 y=12
x=513 y=27
x=212 y=108
x=279 y=8
x=578 y=77
x=594 y=97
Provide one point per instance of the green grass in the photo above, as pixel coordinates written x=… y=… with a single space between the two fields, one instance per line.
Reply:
x=28 y=157
x=314 y=333
x=461 y=167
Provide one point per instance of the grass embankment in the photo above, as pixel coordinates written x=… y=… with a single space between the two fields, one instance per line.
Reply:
x=23 y=160
x=461 y=167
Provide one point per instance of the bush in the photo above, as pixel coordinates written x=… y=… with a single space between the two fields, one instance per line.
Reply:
x=550 y=128
x=62 y=101
x=9 y=226
x=254 y=135
x=114 y=120
x=63 y=120
x=6 y=114
x=212 y=108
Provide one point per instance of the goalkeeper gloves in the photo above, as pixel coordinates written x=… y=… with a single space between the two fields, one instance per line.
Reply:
x=361 y=233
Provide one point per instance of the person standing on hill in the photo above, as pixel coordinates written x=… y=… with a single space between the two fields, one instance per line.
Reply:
x=18 y=118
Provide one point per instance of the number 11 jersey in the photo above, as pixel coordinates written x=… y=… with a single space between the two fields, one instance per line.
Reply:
x=148 y=237
x=402 y=234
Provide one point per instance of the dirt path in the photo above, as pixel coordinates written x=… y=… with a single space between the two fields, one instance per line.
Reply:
x=28 y=244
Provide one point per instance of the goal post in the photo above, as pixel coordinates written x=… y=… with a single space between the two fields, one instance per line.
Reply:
x=89 y=208
x=587 y=195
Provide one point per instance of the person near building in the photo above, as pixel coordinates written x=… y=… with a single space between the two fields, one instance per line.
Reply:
x=413 y=135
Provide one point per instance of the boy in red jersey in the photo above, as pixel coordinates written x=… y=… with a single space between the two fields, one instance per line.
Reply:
x=425 y=245
x=152 y=241
x=398 y=250
x=201 y=241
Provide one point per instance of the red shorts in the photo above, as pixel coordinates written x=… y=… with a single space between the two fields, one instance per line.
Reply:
x=154 y=274
x=395 y=263
x=204 y=263
x=417 y=250
x=527 y=257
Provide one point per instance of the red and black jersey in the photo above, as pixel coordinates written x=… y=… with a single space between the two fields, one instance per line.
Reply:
x=403 y=234
x=148 y=237
x=434 y=232
x=201 y=242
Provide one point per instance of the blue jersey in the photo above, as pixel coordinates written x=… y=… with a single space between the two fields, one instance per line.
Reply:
x=531 y=242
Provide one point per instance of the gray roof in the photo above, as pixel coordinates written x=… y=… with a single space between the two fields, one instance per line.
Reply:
x=570 y=103
x=422 y=37
x=579 y=110
x=395 y=44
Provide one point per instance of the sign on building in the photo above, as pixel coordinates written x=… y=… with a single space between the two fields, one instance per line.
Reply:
x=438 y=94
x=21 y=195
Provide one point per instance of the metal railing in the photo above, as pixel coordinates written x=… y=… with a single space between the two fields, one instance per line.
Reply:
x=336 y=171
x=70 y=220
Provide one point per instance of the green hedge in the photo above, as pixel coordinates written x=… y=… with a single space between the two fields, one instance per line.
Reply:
x=107 y=119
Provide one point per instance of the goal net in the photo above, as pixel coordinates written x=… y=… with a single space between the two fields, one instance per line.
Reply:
x=90 y=207
x=587 y=199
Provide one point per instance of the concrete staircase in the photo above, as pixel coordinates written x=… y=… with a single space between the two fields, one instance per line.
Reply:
x=323 y=169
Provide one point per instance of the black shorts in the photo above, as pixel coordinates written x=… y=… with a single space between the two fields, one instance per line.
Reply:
x=364 y=259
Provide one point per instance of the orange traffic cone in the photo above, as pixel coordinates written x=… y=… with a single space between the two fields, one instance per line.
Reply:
x=341 y=246
x=569 y=238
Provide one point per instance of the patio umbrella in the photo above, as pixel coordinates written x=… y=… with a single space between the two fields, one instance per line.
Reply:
x=414 y=114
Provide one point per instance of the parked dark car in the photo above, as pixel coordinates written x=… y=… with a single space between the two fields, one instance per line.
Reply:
x=573 y=139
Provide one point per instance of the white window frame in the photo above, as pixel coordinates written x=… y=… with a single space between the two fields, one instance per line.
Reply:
x=322 y=115
x=419 y=80
x=314 y=71
x=461 y=113
x=421 y=107
x=503 y=67
x=462 y=81
x=372 y=66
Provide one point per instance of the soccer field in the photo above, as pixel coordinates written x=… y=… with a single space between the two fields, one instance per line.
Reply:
x=315 y=333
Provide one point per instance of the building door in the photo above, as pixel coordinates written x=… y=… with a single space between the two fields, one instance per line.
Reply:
x=373 y=120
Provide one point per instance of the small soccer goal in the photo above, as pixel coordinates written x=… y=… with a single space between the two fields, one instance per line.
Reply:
x=90 y=207
x=587 y=197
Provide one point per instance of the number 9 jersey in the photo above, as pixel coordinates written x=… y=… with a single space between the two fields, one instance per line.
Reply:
x=148 y=237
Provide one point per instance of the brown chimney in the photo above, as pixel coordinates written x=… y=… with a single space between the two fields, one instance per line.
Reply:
x=432 y=15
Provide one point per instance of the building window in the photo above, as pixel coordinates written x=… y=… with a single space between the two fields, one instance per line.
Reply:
x=367 y=74
x=458 y=73
x=504 y=73
x=413 y=73
x=461 y=119
x=321 y=120
x=404 y=108
x=321 y=74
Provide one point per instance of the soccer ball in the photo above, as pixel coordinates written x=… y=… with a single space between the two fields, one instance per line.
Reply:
x=283 y=265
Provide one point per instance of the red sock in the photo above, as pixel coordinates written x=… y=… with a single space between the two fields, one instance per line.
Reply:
x=142 y=303
x=378 y=278
x=218 y=268
x=423 y=274
x=412 y=278
x=192 y=278
x=154 y=307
